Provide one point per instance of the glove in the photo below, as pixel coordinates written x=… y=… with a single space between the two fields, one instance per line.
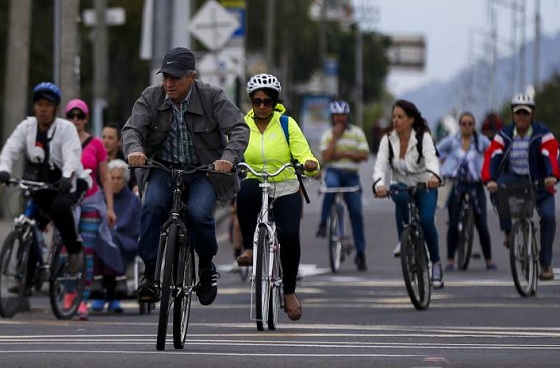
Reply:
x=64 y=185
x=4 y=177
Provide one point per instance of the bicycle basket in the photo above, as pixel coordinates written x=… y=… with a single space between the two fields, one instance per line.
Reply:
x=515 y=201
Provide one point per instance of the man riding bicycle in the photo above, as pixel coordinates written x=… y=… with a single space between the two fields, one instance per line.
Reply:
x=526 y=151
x=183 y=122
x=343 y=148
x=52 y=150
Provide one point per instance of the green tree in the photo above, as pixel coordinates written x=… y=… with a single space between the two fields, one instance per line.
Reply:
x=548 y=108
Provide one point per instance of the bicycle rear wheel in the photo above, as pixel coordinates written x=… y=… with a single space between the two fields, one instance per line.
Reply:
x=523 y=263
x=414 y=264
x=335 y=238
x=275 y=291
x=65 y=290
x=170 y=244
x=262 y=282
x=13 y=271
x=466 y=238
x=186 y=282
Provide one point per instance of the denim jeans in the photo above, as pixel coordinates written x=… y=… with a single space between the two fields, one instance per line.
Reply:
x=480 y=221
x=156 y=203
x=427 y=201
x=341 y=178
x=546 y=209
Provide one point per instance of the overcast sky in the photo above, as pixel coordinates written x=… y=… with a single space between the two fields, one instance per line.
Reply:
x=447 y=26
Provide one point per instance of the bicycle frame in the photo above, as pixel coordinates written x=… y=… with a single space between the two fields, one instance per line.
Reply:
x=264 y=220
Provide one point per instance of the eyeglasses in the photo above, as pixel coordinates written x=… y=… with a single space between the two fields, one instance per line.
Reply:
x=467 y=123
x=522 y=112
x=267 y=102
x=78 y=115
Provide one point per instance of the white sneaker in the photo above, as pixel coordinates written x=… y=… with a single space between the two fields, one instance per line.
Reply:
x=437 y=276
x=397 y=250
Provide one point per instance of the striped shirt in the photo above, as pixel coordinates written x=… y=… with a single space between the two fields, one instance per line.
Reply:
x=178 y=147
x=519 y=155
x=352 y=140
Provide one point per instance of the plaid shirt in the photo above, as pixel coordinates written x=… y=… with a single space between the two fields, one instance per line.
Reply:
x=178 y=147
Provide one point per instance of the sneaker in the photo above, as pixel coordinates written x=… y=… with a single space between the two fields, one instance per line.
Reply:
x=207 y=287
x=68 y=300
x=450 y=267
x=115 y=306
x=97 y=305
x=83 y=314
x=491 y=267
x=321 y=231
x=360 y=261
x=149 y=291
x=397 y=250
x=246 y=258
x=547 y=274
x=437 y=276
x=75 y=262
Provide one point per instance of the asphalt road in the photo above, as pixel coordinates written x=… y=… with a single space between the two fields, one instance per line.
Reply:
x=354 y=319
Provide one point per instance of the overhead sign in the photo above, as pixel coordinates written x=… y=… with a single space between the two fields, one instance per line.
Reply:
x=113 y=17
x=407 y=52
x=213 y=25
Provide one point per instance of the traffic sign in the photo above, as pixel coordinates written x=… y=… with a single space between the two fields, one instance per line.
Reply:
x=213 y=25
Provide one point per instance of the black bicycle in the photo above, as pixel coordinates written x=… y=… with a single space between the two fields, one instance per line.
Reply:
x=29 y=257
x=176 y=262
x=465 y=225
x=517 y=202
x=339 y=238
x=415 y=262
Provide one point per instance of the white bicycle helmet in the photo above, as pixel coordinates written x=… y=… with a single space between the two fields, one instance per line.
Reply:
x=263 y=81
x=522 y=99
x=339 y=107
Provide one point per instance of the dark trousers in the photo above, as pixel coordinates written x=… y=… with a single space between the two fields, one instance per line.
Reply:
x=287 y=215
x=480 y=221
x=60 y=207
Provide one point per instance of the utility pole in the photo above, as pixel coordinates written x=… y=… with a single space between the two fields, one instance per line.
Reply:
x=270 y=36
x=69 y=67
x=537 y=50
x=359 y=76
x=16 y=82
x=101 y=56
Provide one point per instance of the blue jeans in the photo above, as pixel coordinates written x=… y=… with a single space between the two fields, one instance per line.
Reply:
x=546 y=209
x=427 y=201
x=156 y=203
x=341 y=178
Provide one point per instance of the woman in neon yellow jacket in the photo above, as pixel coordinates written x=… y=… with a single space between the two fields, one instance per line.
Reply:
x=269 y=149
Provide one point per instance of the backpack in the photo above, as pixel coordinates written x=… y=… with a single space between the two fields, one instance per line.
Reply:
x=419 y=148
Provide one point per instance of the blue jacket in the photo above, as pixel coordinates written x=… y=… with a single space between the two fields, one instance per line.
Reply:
x=543 y=154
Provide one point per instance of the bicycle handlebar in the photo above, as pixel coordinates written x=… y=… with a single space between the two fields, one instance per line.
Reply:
x=188 y=169
x=353 y=189
x=298 y=167
x=31 y=185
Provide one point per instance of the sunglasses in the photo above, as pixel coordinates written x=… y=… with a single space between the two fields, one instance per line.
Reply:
x=467 y=123
x=78 y=115
x=267 y=102
x=522 y=112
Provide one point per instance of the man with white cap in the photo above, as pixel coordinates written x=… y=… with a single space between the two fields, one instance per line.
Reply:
x=526 y=151
x=183 y=122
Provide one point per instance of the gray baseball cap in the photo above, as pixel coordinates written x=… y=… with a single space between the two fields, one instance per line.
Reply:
x=177 y=62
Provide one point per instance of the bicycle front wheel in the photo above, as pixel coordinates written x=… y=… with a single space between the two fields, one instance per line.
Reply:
x=13 y=271
x=523 y=262
x=65 y=290
x=170 y=245
x=262 y=281
x=466 y=237
x=414 y=264
x=335 y=238
x=186 y=282
x=275 y=291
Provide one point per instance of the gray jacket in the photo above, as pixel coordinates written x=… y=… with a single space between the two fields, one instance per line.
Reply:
x=217 y=126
